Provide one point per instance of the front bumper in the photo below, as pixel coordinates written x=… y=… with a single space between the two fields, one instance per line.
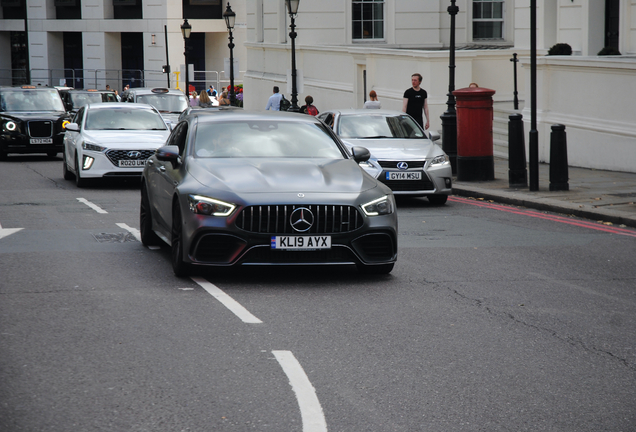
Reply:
x=216 y=241
x=435 y=180
x=21 y=143
x=98 y=164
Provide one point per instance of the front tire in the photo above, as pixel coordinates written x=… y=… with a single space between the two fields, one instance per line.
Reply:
x=179 y=267
x=79 y=181
x=148 y=236
x=68 y=175
x=437 y=199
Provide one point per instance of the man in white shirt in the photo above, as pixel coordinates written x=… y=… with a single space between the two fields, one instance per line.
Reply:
x=274 y=100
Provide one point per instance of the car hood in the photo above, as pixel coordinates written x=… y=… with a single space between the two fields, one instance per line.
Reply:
x=34 y=115
x=398 y=148
x=173 y=117
x=123 y=137
x=260 y=176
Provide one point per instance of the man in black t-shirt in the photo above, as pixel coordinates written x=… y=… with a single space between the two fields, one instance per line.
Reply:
x=415 y=101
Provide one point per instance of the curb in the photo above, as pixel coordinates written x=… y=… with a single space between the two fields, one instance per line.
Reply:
x=549 y=205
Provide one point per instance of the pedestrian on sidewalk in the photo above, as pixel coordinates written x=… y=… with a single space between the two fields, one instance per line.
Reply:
x=415 y=101
x=274 y=100
x=373 y=102
x=308 y=108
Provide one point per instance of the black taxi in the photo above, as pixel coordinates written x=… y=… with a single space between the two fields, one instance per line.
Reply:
x=74 y=99
x=32 y=120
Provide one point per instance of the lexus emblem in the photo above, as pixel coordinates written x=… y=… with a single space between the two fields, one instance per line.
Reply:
x=403 y=165
x=301 y=195
x=134 y=154
x=301 y=219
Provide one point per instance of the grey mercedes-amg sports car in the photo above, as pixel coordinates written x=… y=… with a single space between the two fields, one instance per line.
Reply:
x=234 y=188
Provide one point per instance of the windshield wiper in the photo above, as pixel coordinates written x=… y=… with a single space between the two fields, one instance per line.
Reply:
x=377 y=136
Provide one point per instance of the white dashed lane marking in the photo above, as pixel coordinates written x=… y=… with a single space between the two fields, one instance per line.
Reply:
x=133 y=231
x=95 y=207
x=227 y=301
x=310 y=410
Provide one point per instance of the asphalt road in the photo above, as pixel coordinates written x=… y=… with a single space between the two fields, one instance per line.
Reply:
x=495 y=318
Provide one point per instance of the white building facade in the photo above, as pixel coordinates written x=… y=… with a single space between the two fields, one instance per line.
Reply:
x=92 y=43
x=345 y=48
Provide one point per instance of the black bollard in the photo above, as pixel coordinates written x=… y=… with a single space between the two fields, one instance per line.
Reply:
x=558 y=159
x=517 y=171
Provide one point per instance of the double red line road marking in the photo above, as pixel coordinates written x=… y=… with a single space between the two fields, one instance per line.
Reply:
x=550 y=217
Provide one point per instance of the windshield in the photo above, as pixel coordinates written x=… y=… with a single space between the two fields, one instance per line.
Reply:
x=165 y=103
x=265 y=138
x=81 y=99
x=30 y=100
x=378 y=126
x=109 y=97
x=124 y=119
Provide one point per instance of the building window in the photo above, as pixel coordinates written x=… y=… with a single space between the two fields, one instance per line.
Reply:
x=488 y=19
x=368 y=19
x=68 y=9
x=203 y=9
x=128 y=9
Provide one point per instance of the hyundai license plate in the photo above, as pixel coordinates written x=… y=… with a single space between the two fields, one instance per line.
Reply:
x=301 y=242
x=41 y=141
x=406 y=175
x=132 y=163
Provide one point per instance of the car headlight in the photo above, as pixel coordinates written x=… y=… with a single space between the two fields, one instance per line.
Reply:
x=210 y=206
x=440 y=160
x=10 y=126
x=380 y=206
x=87 y=145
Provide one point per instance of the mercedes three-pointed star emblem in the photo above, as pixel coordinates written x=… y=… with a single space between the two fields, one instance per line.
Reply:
x=301 y=219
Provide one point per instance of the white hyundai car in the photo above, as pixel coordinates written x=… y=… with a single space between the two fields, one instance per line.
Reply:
x=107 y=140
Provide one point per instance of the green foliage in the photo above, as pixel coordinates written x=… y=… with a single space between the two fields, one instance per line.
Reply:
x=560 y=49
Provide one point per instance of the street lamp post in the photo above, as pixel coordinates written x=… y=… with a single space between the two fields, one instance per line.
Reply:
x=186 y=29
x=534 y=134
x=230 y=19
x=292 y=8
x=449 y=118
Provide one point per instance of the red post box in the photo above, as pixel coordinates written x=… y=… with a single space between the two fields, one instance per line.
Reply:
x=474 y=134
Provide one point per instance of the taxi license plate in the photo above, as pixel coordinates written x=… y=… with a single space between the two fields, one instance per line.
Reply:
x=132 y=163
x=41 y=141
x=414 y=175
x=301 y=242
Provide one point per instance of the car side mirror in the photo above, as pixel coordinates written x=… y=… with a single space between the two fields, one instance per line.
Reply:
x=73 y=127
x=169 y=154
x=434 y=136
x=360 y=154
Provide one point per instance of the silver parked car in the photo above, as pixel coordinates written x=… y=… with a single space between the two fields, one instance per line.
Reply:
x=403 y=156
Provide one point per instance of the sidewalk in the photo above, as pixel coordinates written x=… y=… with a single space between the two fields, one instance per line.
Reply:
x=604 y=196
